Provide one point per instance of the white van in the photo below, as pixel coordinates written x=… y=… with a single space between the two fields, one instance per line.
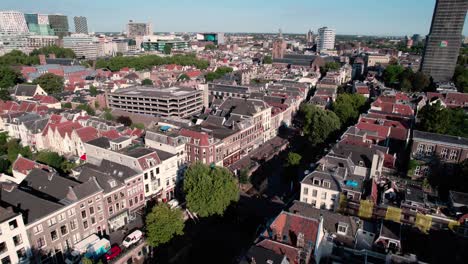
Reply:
x=133 y=238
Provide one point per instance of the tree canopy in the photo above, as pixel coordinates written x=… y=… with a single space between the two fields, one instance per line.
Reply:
x=267 y=60
x=437 y=119
x=147 y=82
x=93 y=91
x=209 y=189
x=50 y=82
x=220 y=72
x=460 y=78
x=54 y=160
x=210 y=47
x=319 y=124
x=167 y=49
x=8 y=78
x=329 y=66
x=86 y=107
x=16 y=57
x=183 y=77
x=124 y=120
x=348 y=107
x=58 y=51
x=293 y=159
x=405 y=79
x=162 y=224
x=146 y=62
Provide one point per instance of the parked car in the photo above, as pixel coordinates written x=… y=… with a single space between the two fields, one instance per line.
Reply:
x=113 y=252
x=133 y=238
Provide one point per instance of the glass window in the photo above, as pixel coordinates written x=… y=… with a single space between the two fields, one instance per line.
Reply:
x=63 y=230
x=53 y=235
x=17 y=240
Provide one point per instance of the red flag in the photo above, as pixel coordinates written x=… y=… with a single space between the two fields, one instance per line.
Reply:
x=83 y=157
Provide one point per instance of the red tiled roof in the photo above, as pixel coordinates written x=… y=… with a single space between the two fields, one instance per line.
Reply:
x=362 y=90
x=87 y=133
x=111 y=134
x=287 y=225
x=456 y=99
x=24 y=165
x=291 y=253
x=202 y=136
x=193 y=74
x=8 y=106
x=45 y=99
x=382 y=131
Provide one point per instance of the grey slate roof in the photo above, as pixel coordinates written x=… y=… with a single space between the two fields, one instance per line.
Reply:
x=101 y=142
x=30 y=206
x=451 y=140
x=49 y=183
x=86 y=189
x=24 y=90
x=6 y=213
x=390 y=229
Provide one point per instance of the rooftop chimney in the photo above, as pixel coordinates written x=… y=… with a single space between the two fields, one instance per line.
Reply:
x=42 y=59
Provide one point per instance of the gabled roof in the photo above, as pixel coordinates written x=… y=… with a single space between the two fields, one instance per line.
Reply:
x=87 y=133
x=287 y=227
x=24 y=165
x=24 y=90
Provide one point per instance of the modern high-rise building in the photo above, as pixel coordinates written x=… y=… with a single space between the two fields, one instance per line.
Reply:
x=42 y=19
x=31 y=19
x=326 y=39
x=81 y=24
x=13 y=22
x=82 y=44
x=444 y=39
x=59 y=23
x=135 y=29
x=310 y=38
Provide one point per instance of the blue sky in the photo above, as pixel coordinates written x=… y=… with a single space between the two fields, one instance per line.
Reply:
x=366 y=17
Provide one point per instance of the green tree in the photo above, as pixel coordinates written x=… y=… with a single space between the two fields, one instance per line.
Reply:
x=210 y=47
x=162 y=224
x=86 y=107
x=50 y=158
x=14 y=148
x=147 y=62
x=319 y=124
x=244 y=176
x=3 y=143
x=293 y=160
x=147 y=82
x=348 y=107
x=406 y=85
x=50 y=82
x=183 y=77
x=329 y=66
x=167 y=49
x=267 y=60
x=107 y=115
x=138 y=125
x=4 y=165
x=391 y=74
x=420 y=82
x=220 y=72
x=460 y=78
x=67 y=105
x=434 y=118
x=86 y=260
x=9 y=77
x=93 y=91
x=58 y=51
x=209 y=189
x=124 y=120
x=96 y=104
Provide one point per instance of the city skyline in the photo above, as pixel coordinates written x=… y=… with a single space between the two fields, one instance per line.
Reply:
x=297 y=16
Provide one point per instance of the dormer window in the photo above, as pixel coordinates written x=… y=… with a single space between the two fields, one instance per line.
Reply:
x=316 y=182
x=112 y=183
x=326 y=184
x=342 y=228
